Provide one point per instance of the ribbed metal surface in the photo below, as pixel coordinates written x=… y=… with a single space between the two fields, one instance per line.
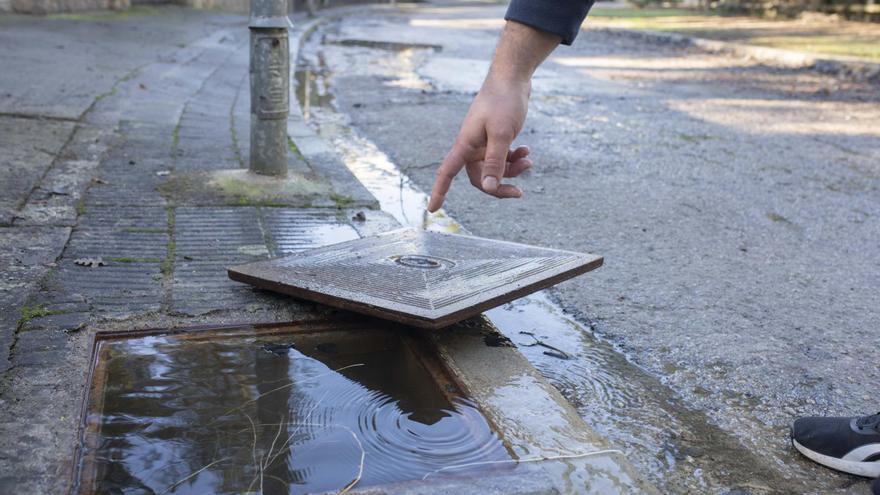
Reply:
x=208 y=239
x=426 y=279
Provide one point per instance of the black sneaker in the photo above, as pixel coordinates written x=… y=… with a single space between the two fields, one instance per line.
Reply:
x=851 y=445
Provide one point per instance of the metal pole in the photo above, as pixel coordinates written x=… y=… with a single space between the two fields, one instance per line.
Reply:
x=270 y=84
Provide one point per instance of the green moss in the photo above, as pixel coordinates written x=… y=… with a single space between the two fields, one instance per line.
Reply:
x=80 y=205
x=144 y=230
x=167 y=267
x=29 y=313
x=694 y=138
x=135 y=260
x=245 y=201
x=342 y=201
x=104 y=95
x=235 y=149
x=294 y=148
x=175 y=137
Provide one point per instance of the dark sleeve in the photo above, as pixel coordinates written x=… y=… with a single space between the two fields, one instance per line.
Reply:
x=560 y=17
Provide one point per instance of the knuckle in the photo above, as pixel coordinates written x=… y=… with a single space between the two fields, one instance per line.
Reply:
x=500 y=133
x=493 y=163
x=463 y=145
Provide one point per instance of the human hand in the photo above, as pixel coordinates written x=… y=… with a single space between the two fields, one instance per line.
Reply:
x=496 y=117
x=482 y=147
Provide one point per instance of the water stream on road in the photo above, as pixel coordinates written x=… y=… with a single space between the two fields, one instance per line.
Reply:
x=671 y=443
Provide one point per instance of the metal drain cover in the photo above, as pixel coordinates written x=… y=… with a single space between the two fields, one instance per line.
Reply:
x=425 y=279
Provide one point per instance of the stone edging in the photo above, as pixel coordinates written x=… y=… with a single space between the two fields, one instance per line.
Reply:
x=317 y=153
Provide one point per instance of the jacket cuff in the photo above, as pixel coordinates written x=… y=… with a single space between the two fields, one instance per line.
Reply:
x=560 y=17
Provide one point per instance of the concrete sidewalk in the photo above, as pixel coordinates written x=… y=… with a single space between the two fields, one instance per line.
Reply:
x=103 y=126
x=112 y=132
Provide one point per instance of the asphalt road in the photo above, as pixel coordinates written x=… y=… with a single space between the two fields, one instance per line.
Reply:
x=737 y=206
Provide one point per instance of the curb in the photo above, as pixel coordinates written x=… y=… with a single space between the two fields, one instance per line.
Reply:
x=857 y=70
x=319 y=155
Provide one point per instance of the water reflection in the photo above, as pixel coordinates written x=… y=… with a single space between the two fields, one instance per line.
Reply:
x=295 y=413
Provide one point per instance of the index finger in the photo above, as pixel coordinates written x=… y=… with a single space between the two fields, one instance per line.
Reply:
x=451 y=166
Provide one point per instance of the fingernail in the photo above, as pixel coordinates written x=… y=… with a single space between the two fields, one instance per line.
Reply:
x=490 y=184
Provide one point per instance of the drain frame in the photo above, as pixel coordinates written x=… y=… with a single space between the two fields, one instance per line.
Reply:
x=82 y=473
x=293 y=276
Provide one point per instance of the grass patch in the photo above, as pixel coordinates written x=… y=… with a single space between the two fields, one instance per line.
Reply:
x=847 y=39
x=29 y=313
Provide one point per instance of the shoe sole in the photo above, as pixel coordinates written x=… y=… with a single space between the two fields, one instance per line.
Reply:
x=866 y=469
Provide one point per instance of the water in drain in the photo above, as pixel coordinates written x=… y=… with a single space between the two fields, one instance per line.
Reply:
x=252 y=410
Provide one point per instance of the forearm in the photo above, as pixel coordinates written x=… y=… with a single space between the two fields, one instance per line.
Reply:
x=520 y=51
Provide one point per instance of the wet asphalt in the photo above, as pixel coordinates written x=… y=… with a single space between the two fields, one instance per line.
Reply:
x=736 y=206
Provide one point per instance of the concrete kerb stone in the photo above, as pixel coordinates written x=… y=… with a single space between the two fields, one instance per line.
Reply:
x=317 y=153
x=855 y=69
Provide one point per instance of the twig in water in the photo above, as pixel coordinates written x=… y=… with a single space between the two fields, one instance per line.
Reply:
x=554 y=351
x=272 y=447
x=360 y=472
x=194 y=474
x=308 y=417
x=529 y=459
x=265 y=462
x=254 y=445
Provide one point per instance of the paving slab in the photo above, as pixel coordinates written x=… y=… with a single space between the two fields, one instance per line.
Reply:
x=27 y=149
x=96 y=52
x=27 y=254
x=208 y=240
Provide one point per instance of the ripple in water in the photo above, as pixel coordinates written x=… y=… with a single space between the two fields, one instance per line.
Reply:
x=283 y=414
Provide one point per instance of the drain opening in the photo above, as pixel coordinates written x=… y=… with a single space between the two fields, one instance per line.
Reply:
x=287 y=409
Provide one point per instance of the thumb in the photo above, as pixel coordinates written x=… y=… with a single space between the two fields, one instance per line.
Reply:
x=496 y=158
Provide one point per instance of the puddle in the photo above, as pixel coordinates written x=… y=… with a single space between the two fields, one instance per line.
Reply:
x=311 y=90
x=274 y=410
x=395 y=46
x=396 y=193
